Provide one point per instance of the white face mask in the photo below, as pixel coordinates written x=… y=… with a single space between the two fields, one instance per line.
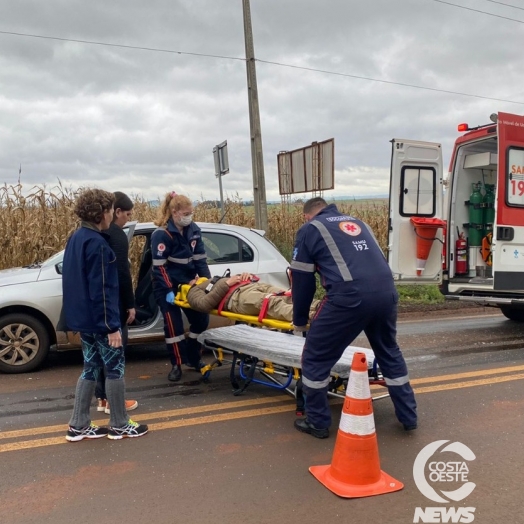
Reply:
x=186 y=220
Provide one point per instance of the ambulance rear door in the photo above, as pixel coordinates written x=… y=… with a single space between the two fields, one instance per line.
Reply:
x=508 y=230
x=416 y=186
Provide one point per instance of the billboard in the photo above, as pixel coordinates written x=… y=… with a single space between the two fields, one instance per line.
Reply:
x=307 y=169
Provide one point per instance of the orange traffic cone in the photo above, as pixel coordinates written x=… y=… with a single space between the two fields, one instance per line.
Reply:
x=426 y=231
x=355 y=467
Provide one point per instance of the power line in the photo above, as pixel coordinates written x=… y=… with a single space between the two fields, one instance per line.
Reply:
x=479 y=11
x=224 y=57
x=123 y=46
x=390 y=82
x=507 y=5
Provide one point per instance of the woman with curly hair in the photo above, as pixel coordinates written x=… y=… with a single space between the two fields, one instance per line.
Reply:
x=179 y=256
x=91 y=307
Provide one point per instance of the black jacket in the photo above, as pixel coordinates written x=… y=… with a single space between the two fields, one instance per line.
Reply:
x=120 y=245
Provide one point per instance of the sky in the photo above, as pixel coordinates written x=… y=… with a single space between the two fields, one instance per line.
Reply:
x=140 y=108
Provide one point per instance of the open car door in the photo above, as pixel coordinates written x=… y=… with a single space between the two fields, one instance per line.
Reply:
x=508 y=233
x=415 y=197
x=129 y=229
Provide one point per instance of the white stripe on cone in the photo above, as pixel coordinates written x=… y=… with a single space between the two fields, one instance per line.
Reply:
x=358 y=385
x=361 y=425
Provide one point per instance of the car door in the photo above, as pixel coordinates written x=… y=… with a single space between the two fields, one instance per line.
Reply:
x=415 y=195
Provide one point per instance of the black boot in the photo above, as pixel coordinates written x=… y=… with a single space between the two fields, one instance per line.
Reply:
x=306 y=427
x=175 y=374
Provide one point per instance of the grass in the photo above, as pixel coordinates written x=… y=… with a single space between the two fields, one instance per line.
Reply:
x=424 y=294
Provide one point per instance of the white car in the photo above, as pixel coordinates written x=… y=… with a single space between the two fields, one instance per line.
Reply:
x=31 y=296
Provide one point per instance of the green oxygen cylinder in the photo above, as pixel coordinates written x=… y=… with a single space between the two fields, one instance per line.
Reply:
x=476 y=216
x=489 y=208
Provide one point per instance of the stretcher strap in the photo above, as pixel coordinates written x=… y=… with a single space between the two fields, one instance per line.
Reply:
x=265 y=302
x=231 y=290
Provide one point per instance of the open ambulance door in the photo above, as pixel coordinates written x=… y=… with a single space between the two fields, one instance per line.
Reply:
x=415 y=191
x=508 y=230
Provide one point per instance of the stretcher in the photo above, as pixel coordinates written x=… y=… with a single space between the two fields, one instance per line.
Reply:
x=271 y=356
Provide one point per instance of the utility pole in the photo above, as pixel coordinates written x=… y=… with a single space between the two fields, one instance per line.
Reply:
x=257 y=159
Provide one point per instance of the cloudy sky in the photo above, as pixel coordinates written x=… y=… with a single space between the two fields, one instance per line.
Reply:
x=143 y=113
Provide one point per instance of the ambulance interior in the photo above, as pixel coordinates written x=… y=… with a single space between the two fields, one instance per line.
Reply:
x=471 y=185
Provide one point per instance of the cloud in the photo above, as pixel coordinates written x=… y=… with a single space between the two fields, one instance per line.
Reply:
x=146 y=121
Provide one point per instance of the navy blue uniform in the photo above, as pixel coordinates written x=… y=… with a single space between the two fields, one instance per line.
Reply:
x=360 y=296
x=177 y=259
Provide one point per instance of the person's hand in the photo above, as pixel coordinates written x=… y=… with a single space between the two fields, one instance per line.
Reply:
x=170 y=298
x=231 y=281
x=131 y=313
x=236 y=279
x=115 y=339
x=300 y=331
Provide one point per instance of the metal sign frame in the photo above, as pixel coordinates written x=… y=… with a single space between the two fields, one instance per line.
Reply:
x=307 y=169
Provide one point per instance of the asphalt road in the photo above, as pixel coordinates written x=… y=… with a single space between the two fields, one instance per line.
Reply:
x=213 y=457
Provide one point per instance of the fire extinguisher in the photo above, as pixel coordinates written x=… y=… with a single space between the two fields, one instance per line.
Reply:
x=461 y=255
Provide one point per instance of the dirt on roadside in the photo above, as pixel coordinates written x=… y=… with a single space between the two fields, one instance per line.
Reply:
x=414 y=311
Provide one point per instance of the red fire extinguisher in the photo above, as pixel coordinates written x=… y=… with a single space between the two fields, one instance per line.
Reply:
x=461 y=255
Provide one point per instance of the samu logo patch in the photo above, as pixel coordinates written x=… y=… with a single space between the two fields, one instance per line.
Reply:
x=350 y=228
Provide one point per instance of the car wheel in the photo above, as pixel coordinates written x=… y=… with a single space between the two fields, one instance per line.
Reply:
x=513 y=313
x=24 y=343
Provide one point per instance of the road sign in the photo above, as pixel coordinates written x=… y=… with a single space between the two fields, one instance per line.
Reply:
x=221 y=159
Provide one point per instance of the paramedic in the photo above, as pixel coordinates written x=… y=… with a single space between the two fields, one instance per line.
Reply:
x=90 y=306
x=360 y=296
x=178 y=257
x=245 y=295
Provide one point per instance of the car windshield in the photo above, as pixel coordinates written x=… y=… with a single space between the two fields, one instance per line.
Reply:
x=55 y=259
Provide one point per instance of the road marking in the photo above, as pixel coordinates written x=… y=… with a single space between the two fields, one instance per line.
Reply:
x=207 y=419
x=248 y=413
x=469 y=384
x=149 y=416
x=468 y=374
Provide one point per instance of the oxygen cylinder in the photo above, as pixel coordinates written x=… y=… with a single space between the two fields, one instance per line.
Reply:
x=476 y=223
x=489 y=208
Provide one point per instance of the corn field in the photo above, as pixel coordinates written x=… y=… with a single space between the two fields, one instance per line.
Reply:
x=35 y=224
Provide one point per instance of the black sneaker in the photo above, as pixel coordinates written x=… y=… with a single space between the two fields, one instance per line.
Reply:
x=175 y=374
x=130 y=430
x=306 y=427
x=410 y=427
x=91 y=431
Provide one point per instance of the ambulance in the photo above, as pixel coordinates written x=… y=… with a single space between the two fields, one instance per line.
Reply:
x=466 y=231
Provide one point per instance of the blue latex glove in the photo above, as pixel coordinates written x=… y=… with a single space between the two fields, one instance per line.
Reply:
x=170 y=297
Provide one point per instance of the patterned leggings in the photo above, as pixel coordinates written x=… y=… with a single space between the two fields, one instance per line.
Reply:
x=97 y=354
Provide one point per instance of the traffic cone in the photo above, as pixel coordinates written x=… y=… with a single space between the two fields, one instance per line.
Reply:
x=355 y=466
x=426 y=232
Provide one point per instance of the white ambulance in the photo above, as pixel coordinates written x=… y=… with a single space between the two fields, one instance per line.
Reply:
x=466 y=232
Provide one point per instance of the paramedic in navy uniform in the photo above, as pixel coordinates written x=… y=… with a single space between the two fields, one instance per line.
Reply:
x=360 y=296
x=178 y=257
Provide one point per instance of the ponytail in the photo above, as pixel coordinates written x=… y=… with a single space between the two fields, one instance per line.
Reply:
x=172 y=202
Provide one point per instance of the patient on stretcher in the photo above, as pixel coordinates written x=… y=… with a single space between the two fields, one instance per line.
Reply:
x=243 y=294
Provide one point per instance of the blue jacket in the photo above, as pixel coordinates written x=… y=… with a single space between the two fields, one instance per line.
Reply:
x=345 y=253
x=90 y=283
x=177 y=258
